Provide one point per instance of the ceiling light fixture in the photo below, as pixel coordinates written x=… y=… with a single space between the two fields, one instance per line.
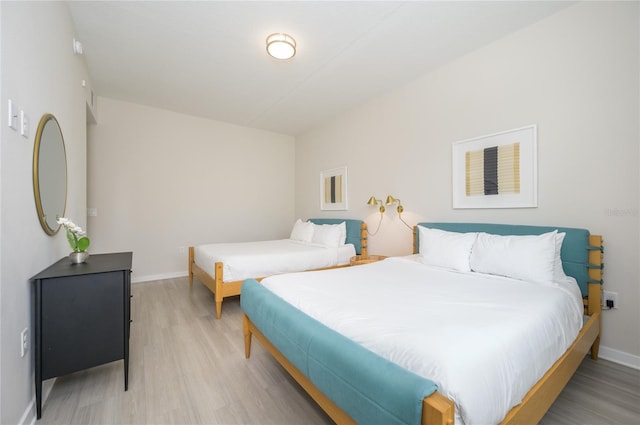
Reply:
x=281 y=46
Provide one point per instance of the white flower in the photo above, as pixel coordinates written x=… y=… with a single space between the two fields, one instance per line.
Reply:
x=76 y=236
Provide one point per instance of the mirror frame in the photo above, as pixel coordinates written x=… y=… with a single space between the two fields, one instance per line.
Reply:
x=46 y=118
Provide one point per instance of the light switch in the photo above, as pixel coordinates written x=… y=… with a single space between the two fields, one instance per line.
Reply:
x=13 y=115
x=92 y=212
x=24 y=124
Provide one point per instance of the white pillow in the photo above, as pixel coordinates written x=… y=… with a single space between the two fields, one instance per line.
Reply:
x=450 y=250
x=302 y=231
x=530 y=257
x=558 y=271
x=343 y=232
x=326 y=234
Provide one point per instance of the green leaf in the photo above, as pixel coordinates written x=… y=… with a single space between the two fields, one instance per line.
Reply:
x=72 y=241
x=83 y=244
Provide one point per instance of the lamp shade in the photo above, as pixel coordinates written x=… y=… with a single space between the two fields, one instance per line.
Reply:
x=281 y=46
x=373 y=202
x=391 y=200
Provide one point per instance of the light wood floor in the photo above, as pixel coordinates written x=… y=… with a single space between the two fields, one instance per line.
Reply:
x=186 y=367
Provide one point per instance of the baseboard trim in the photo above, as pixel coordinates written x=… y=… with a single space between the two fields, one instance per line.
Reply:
x=619 y=357
x=29 y=415
x=147 y=278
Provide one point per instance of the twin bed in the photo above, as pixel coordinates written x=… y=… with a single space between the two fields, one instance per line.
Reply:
x=315 y=244
x=485 y=324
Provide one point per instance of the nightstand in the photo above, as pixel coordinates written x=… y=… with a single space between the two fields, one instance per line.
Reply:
x=82 y=318
x=357 y=260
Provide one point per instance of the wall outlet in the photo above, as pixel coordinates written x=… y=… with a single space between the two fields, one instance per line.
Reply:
x=24 y=342
x=182 y=250
x=612 y=296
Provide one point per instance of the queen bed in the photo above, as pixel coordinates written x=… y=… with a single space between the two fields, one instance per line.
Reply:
x=485 y=324
x=314 y=244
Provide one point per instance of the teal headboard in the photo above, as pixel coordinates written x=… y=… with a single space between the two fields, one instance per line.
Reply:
x=353 y=229
x=574 y=253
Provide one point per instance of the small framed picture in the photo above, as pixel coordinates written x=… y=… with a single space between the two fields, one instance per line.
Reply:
x=333 y=189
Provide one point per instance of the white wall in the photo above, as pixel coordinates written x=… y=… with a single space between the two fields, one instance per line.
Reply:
x=41 y=75
x=162 y=180
x=575 y=75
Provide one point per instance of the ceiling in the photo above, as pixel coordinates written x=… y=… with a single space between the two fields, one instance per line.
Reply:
x=208 y=58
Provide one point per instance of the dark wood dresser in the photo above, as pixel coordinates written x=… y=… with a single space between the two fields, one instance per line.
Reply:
x=82 y=316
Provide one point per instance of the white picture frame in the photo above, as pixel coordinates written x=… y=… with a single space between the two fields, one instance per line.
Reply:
x=481 y=166
x=333 y=189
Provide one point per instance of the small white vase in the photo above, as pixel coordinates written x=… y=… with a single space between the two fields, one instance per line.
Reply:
x=78 y=257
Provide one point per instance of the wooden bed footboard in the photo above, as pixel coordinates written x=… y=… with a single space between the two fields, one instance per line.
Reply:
x=215 y=283
x=222 y=289
x=436 y=409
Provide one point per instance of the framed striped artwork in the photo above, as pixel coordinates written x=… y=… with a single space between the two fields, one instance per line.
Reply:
x=496 y=171
x=333 y=189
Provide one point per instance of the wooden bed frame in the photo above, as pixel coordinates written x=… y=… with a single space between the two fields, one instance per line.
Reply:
x=437 y=409
x=222 y=289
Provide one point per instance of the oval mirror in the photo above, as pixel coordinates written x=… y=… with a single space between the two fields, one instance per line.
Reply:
x=49 y=173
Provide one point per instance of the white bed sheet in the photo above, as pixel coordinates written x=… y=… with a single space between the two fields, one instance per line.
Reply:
x=244 y=260
x=495 y=336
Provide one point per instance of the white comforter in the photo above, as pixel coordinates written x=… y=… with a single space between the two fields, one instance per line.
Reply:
x=243 y=260
x=484 y=340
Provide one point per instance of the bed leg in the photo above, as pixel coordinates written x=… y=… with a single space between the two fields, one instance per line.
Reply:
x=218 y=309
x=247 y=336
x=437 y=409
x=190 y=266
x=219 y=293
x=595 y=348
x=594 y=305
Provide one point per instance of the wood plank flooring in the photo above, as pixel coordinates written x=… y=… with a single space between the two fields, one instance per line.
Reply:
x=186 y=367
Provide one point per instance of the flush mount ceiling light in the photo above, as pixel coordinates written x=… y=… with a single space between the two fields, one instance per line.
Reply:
x=281 y=46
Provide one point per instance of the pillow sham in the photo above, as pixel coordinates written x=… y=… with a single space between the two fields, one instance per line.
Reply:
x=530 y=258
x=450 y=250
x=302 y=231
x=326 y=234
x=558 y=271
x=343 y=232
